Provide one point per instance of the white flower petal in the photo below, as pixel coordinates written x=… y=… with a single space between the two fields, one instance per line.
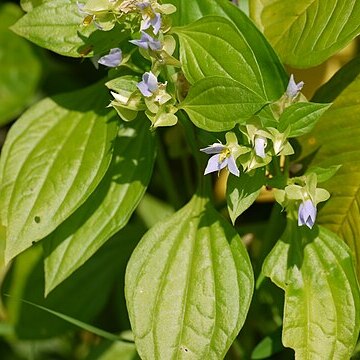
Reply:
x=213 y=164
x=232 y=166
x=215 y=148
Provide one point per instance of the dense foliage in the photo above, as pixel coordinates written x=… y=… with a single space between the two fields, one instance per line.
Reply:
x=132 y=184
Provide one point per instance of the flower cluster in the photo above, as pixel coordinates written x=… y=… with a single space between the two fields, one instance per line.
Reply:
x=263 y=138
x=148 y=23
x=303 y=193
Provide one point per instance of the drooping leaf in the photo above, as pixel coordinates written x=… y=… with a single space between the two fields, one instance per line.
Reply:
x=188 y=286
x=107 y=210
x=263 y=61
x=316 y=270
x=242 y=191
x=18 y=82
x=301 y=117
x=57 y=25
x=54 y=157
x=336 y=139
x=80 y=297
x=306 y=33
x=218 y=103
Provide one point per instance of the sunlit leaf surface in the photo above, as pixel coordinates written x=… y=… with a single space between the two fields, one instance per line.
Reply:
x=54 y=157
x=316 y=270
x=336 y=137
x=305 y=33
x=107 y=210
x=188 y=286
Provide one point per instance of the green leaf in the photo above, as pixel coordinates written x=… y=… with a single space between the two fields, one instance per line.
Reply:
x=263 y=61
x=324 y=174
x=316 y=271
x=71 y=299
x=345 y=76
x=20 y=68
x=268 y=346
x=306 y=33
x=242 y=191
x=188 y=286
x=152 y=210
x=336 y=141
x=219 y=103
x=53 y=158
x=28 y=5
x=107 y=210
x=301 y=117
x=212 y=46
x=57 y=25
x=113 y=350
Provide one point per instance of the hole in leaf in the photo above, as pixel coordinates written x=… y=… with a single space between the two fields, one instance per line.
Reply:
x=37 y=219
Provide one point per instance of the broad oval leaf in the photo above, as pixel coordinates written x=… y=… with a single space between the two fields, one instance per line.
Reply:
x=263 y=61
x=242 y=191
x=57 y=25
x=322 y=300
x=301 y=117
x=109 y=207
x=188 y=286
x=213 y=47
x=54 y=157
x=18 y=83
x=219 y=103
x=306 y=33
x=336 y=141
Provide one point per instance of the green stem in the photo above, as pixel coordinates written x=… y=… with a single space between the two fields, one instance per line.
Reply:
x=167 y=178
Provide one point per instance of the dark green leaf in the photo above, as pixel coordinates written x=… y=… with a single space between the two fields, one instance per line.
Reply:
x=72 y=300
x=53 y=158
x=107 y=210
x=332 y=89
x=188 y=286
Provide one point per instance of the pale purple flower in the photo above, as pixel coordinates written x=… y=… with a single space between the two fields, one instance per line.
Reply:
x=80 y=7
x=147 y=42
x=307 y=214
x=293 y=89
x=220 y=160
x=260 y=145
x=149 y=84
x=113 y=59
x=149 y=17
